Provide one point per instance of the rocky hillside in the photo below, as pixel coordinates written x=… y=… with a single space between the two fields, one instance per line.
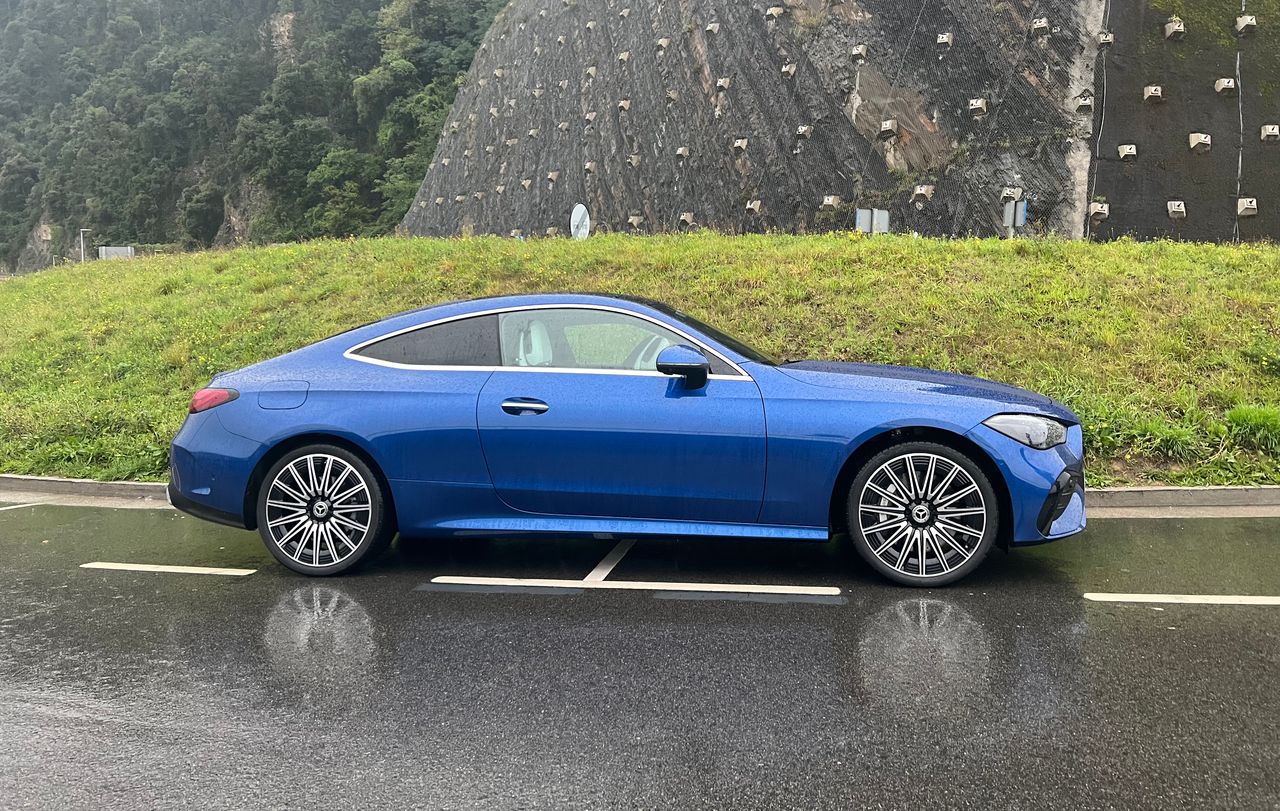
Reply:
x=791 y=114
x=747 y=116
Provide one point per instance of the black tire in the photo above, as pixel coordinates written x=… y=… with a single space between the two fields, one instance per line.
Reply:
x=872 y=515
x=324 y=537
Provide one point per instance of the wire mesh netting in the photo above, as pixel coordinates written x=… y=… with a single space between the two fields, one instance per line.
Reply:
x=794 y=116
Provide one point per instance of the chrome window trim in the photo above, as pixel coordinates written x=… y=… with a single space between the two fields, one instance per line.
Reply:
x=351 y=352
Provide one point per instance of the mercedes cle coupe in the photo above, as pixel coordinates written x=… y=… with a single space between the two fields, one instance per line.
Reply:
x=588 y=414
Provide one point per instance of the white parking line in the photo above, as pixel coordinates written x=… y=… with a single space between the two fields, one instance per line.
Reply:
x=20 y=506
x=152 y=567
x=602 y=569
x=636 y=585
x=772 y=599
x=1190 y=599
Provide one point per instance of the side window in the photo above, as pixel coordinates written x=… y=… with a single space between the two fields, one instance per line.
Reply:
x=585 y=339
x=465 y=342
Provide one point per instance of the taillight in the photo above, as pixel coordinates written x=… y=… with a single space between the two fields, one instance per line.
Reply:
x=206 y=399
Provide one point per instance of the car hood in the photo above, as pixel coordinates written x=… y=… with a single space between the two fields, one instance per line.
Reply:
x=910 y=380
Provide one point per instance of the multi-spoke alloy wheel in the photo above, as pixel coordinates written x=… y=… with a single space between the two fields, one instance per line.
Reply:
x=922 y=514
x=320 y=511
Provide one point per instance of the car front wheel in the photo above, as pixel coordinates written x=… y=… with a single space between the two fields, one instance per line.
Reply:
x=321 y=511
x=922 y=514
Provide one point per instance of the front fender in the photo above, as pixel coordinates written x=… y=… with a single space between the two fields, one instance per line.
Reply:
x=806 y=455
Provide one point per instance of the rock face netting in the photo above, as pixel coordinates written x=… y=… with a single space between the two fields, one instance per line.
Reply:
x=1186 y=49
x=664 y=115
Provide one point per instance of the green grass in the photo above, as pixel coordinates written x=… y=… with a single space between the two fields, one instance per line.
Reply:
x=1169 y=352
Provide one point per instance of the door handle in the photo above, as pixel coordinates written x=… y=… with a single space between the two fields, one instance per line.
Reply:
x=520 y=406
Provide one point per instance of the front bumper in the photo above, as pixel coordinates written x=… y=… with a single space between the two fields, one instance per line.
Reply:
x=1065 y=499
x=1046 y=487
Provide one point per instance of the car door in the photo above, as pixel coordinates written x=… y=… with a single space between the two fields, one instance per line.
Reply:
x=579 y=422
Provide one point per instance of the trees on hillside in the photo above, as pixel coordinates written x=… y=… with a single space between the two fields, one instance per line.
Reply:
x=141 y=119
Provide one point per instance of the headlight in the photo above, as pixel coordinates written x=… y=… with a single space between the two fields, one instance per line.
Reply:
x=1029 y=429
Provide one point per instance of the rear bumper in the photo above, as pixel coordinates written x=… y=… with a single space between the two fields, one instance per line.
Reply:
x=191 y=507
x=209 y=471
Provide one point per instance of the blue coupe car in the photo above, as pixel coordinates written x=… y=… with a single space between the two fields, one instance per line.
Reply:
x=587 y=414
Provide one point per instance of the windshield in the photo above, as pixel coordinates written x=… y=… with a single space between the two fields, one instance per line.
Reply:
x=748 y=352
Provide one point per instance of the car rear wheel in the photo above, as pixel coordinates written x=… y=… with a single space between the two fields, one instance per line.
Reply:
x=321 y=511
x=922 y=514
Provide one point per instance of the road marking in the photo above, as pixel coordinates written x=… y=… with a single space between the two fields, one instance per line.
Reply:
x=539 y=590
x=775 y=599
x=1191 y=599
x=602 y=569
x=152 y=567
x=20 y=506
x=636 y=585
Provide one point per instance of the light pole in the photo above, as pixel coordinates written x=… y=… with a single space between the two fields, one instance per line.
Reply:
x=83 y=231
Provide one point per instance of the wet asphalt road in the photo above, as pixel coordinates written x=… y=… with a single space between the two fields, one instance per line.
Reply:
x=130 y=689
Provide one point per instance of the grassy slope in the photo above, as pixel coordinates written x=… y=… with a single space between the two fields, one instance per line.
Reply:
x=1169 y=352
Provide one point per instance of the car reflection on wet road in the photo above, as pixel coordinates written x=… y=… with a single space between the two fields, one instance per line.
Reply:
x=154 y=689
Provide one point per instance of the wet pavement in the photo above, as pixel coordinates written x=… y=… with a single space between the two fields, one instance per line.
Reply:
x=138 y=689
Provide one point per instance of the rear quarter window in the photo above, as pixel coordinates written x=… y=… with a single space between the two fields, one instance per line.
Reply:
x=465 y=342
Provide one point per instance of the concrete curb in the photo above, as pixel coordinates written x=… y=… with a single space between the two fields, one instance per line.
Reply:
x=1101 y=498
x=1147 y=497
x=10 y=483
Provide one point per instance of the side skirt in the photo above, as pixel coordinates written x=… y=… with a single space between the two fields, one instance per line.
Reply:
x=623 y=527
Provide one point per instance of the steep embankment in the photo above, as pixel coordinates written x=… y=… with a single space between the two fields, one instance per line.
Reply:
x=654 y=114
x=749 y=116
x=1170 y=353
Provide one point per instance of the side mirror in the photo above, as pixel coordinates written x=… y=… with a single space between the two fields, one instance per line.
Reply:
x=687 y=362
